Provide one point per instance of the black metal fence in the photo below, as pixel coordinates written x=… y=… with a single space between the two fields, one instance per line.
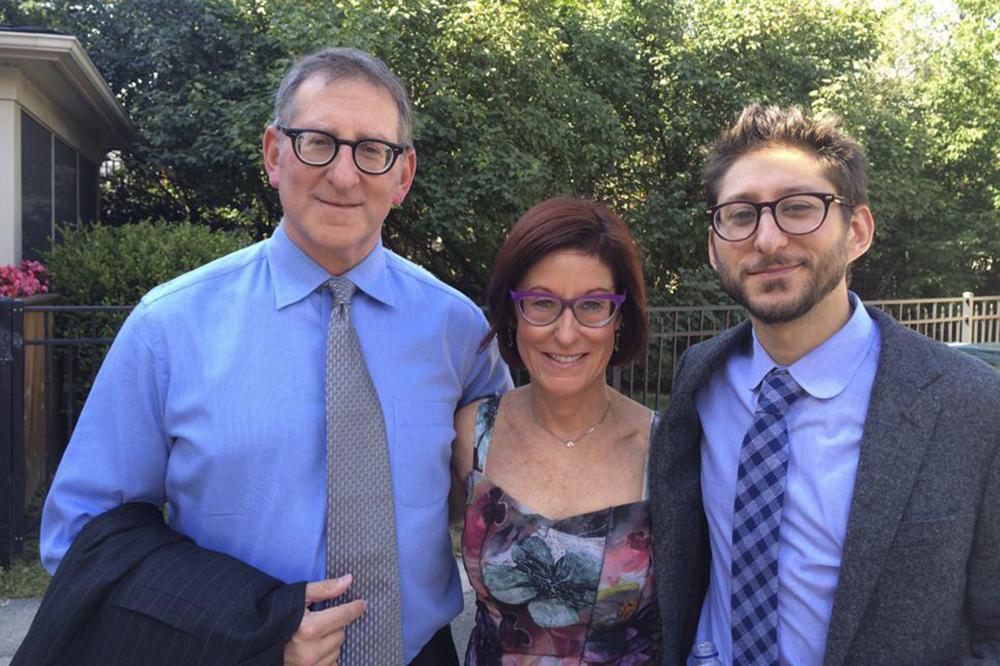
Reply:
x=11 y=432
x=49 y=355
x=48 y=358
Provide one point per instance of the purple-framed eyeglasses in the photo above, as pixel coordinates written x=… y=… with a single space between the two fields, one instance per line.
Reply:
x=540 y=308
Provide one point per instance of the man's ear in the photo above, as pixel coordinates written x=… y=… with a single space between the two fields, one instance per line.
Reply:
x=713 y=262
x=272 y=155
x=408 y=168
x=860 y=232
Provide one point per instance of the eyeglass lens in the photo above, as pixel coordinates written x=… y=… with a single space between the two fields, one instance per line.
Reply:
x=369 y=156
x=795 y=214
x=592 y=312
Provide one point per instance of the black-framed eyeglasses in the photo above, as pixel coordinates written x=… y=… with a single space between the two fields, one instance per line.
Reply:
x=540 y=308
x=795 y=214
x=318 y=148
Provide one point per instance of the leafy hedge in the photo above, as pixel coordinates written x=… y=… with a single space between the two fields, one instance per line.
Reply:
x=106 y=265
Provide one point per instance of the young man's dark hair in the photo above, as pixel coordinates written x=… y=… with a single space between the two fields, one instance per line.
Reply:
x=763 y=126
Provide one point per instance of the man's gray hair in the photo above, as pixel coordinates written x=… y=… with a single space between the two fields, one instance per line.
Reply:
x=343 y=63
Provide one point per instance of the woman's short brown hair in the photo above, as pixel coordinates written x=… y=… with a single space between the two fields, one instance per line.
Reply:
x=564 y=223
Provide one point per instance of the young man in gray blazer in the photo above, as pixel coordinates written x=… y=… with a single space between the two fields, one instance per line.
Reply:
x=849 y=504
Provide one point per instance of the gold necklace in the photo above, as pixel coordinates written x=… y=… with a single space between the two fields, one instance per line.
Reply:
x=570 y=443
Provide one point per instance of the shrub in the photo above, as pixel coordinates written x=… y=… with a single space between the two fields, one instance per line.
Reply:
x=105 y=265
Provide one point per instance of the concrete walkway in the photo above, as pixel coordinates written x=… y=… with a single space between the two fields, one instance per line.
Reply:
x=15 y=618
x=16 y=615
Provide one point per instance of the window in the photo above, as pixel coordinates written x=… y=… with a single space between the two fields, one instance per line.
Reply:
x=57 y=186
x=36 y=187
x=88 y=190
x=64 y=184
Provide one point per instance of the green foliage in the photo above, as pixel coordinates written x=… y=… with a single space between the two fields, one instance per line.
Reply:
x=727 y=54
x=25 y=579
x=115 y=266
x=509 y=114
x=694 y=286
x=105 y=265
x=610 y=99
x=35 y=13
x=925 y=108
x=195 y=76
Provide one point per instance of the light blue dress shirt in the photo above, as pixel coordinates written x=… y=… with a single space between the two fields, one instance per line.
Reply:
x=211 y=399
x=824 y=438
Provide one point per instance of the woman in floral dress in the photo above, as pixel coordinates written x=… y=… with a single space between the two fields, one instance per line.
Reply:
x=551 y=476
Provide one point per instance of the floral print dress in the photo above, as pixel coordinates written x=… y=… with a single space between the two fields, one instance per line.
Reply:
x=578 y=590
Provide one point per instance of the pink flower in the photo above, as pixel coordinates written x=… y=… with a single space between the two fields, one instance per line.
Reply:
x=28 y=280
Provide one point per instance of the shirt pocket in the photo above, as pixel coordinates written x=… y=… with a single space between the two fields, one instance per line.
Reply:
x=421 y=451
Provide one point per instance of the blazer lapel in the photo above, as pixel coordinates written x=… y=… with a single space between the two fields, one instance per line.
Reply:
x=900 y=420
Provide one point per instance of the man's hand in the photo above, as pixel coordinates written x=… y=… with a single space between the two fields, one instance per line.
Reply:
x=319 y=637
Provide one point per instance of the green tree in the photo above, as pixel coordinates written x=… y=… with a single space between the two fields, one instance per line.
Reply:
x=515 y=102
x=195 y=77
x=520 y=101
x=612 y=99
x=731 y=53
x=925 y=110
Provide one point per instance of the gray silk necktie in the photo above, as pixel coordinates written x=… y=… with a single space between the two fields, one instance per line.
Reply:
x=360 y=514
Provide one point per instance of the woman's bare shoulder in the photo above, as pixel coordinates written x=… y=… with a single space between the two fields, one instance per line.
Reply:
x=636 y=419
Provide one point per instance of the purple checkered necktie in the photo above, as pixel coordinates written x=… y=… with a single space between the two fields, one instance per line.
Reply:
x=760 y=491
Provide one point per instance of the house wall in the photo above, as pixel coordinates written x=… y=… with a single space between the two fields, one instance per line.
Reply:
x=16 y=86
x=68 y=160
x=10 y=175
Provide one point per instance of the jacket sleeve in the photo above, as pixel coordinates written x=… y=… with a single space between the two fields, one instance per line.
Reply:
x=983 y=594
x=131 y=590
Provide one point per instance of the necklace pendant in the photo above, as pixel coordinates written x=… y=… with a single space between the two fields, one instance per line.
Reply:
x=570 y=444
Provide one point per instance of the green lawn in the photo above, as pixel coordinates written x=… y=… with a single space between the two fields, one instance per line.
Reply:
x=26 y=577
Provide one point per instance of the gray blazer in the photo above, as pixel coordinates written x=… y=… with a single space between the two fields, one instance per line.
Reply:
x=920 y=574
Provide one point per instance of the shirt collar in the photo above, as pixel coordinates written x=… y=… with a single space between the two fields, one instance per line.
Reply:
x=826 y=370
x=296 y=275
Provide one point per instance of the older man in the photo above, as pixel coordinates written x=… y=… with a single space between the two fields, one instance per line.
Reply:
x=850 y=468
x=292 y=403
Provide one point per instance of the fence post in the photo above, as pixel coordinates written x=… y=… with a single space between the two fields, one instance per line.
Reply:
x=11 y=429
x=967 y=317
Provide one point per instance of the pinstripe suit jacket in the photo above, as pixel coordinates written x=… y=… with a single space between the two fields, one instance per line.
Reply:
x=132 y=591
x=920 y=571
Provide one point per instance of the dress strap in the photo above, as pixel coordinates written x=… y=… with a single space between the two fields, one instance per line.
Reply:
x=654 y=425
x=486 y=417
